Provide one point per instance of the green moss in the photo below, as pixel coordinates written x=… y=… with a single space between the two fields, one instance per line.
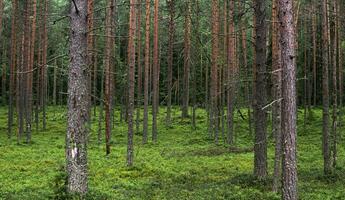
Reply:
x=184 y=164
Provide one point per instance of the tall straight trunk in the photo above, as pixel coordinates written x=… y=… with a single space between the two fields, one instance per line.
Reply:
x=31 y=66
x=108 y=72
x=4 y=70
x=340 y=69
x=187 y=61
x=24 y=86
x=314 y=55
x=260 y=92
x=277 y=95
x=131 y=84
x=194 y=72
x=335 y=86
x=155 y=70
x=101 y=108
x=289 y=130
x=44 y=81
x=231 y=62
x=95 y=81
x=4 y=78
x=20 y=91
x=224 y=71
x=54 y=82
x=39 y=68
x=246 y=72
x=140 y=72
x=12 y=67
x=214 y=70
x=1 y=15
x=90 y=8
x=146 y=70
x=305 y=75
x=325 y=91
x=77 y=128
x=171 y=5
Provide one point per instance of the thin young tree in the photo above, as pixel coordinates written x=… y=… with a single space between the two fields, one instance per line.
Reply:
x=131 y=79
x=77 y=128
x=146 y=70
x=289 y=116
x=314 y=55
x=44 y=82
x=186 y=59
x=31 y=67
x=334 y=84
x=214 y=70
x=1 y=15
x=246 y=68
x=277 y=95
x=231 y=62
x=171 y=5
x=139 y=64
x=12 y=67
x=90 y=18
x=108 y=73
x=25 y=76
x=340 y=67
x=325 y=91
x=260 y=92
x=155 y=72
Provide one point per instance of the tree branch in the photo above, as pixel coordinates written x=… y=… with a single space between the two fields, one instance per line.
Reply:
x=75 y=6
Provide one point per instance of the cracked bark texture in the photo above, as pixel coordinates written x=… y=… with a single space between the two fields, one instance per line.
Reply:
x=77 y=130
x=289 y=116
x=260 y=92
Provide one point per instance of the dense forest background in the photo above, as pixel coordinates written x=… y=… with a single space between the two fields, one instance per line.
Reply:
x=171 y=99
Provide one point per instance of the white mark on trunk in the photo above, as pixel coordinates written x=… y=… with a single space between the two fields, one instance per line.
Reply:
x=74 y=151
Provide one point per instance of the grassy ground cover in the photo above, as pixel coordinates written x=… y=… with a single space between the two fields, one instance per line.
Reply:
x=185 y=164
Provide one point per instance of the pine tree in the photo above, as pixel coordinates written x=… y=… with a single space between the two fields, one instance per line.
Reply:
x=77 y=128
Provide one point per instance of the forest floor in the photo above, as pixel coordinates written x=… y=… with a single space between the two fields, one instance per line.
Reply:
x=184 y=164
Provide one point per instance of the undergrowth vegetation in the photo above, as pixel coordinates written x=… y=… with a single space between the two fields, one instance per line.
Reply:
x=184 y=164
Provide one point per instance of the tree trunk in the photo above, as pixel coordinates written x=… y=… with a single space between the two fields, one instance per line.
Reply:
x=340 y=70
x=140 y=73
x=314 y=55
x=1 y=15
x=24 y=81
x=171 y=5
x=131 y=84
x=101 y=107
x=54 y=82
x=287 y=42
x=325 y=91
x=277 y=95
x=90 y=8
x=4 y=71
x=108 y=73
x=44 y=81
x=214 y=70
x=231 y=73
x=31 y=67
x=305 y=75
x=155 y=70
x=147 y=68
x=335 y=88
x=260 y=92
x=12 y=67
x=4 y=78
x=77 y=128
x=186 y=65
